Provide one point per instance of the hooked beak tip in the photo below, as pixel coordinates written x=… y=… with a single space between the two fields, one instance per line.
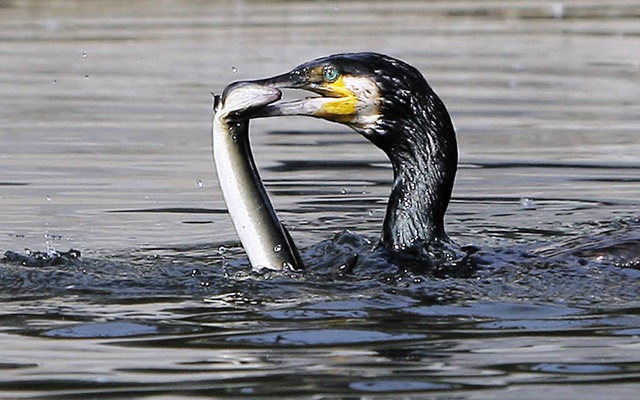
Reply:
x=283 y=81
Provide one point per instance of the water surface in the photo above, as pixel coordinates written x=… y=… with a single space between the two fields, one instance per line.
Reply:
x=105 y=132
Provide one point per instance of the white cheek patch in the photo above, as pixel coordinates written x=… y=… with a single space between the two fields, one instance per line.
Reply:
x=368 y=101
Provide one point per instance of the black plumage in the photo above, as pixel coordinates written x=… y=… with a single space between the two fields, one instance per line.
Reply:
x=407 y=120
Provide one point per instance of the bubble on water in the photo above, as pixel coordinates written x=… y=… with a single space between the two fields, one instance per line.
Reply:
x=222 y=250
x=287 y=265
x=277 y=248
x=84 y=54
x=55 y=81
x=234 y=69
x=199 y=183
x=343 y=191
x=86 y=76
x=48 y=198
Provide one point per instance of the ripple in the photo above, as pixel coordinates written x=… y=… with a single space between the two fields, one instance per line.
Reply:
x=322 y=337
x=102 y=330
x=397 y=386
x=566 y=368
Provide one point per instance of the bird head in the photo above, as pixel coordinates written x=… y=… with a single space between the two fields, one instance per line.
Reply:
x=346 y=88
x=366 y=91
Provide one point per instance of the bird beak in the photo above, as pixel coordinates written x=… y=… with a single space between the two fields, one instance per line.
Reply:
x=334 y=103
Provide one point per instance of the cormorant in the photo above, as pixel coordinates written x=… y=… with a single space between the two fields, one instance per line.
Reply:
x=391 y=104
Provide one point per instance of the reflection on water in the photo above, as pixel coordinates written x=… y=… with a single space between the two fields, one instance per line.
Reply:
x=105 y=124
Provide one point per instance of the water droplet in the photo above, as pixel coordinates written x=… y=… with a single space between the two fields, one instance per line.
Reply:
x=277 y=248
x=195 y=272
x=84 y=54
x=527 y=203
x=234 y=69
x=199 y=183
x=557 y=10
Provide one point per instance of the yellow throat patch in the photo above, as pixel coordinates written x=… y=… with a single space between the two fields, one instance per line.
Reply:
x=342 y=104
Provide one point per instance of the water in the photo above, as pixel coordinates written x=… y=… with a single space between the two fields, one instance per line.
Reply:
x=105 y=120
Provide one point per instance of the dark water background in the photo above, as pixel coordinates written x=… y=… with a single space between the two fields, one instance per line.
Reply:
x=105 y=148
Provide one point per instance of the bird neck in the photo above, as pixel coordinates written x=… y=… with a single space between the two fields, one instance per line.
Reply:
x=424 y=169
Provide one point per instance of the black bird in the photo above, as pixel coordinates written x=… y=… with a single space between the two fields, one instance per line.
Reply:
x=390 y=103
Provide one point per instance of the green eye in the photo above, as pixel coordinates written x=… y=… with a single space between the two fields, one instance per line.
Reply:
x=330 y=74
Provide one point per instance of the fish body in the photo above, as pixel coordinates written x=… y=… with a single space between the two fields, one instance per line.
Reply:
x=264 y=238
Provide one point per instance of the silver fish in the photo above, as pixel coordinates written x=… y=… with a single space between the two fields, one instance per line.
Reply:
x=265 y=240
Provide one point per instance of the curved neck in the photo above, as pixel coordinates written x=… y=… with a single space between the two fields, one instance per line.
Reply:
x=424 y=168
